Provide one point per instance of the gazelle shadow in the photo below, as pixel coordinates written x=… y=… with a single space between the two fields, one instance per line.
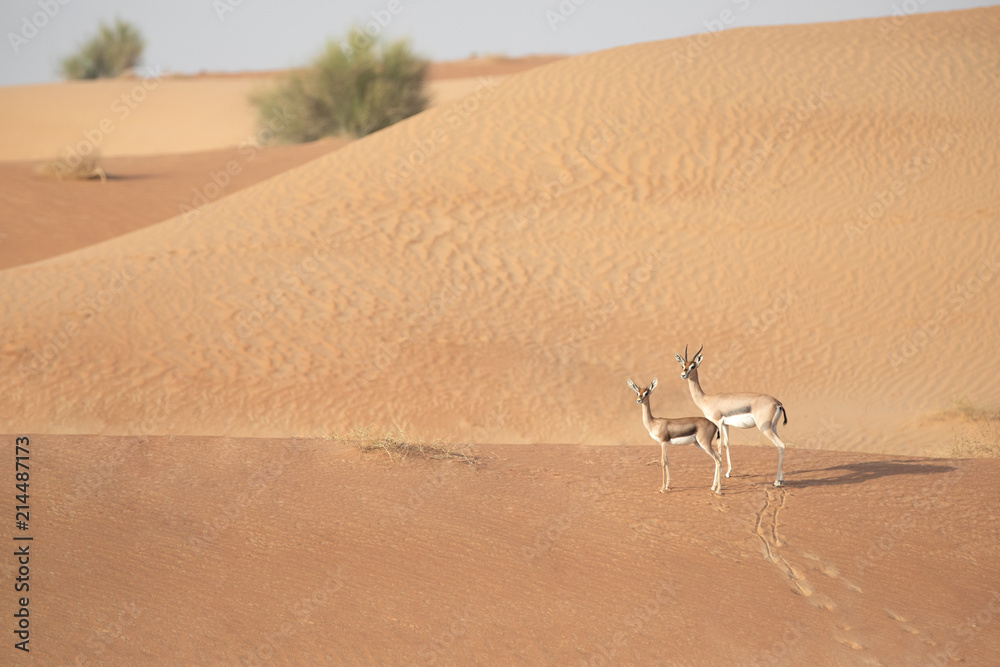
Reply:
x=864 y=471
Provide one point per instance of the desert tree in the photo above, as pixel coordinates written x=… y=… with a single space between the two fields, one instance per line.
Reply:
x=113 y=50
x=358 y=86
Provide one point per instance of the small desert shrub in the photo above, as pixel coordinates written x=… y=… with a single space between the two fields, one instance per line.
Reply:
x=358 y=88
x=85 y=167
x=113 y=50
x=397 y=446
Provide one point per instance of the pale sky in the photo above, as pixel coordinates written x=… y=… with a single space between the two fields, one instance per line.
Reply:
x=192 y=35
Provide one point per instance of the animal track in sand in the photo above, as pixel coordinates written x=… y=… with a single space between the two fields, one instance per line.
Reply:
x=847 y=641
x=831 y=570
x=766 y=528
x=767 y=531
x=906 y=626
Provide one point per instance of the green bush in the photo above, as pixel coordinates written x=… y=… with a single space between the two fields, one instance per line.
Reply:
x=358 y=88
x=110 y=52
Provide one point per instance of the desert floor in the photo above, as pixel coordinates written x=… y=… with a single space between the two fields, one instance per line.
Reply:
x=191 y=344
x=304 y=551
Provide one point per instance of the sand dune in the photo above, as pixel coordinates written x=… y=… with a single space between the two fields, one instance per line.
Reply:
x=492 y=270
x=222 y=550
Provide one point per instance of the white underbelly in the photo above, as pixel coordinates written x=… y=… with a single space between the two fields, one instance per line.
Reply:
x=740 y=421
x=684 y=440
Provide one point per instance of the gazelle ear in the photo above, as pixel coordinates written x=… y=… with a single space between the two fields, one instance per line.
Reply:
x=678 y=358
x=633 y=387
x=698 y=359
x=652 y=385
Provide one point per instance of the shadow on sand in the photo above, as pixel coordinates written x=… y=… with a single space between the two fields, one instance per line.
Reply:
x=864 y=471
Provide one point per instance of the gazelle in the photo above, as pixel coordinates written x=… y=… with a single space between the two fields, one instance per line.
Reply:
x=683 y=431
x=740 y=410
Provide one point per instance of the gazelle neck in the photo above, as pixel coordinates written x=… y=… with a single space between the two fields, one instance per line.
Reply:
x=697 y=395
x=647 y=416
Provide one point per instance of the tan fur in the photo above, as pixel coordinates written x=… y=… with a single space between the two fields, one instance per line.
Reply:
x=765 y=410
x=664 y=430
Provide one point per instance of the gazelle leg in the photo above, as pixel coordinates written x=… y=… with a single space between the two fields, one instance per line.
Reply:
x=707 y=448
x=773 y=437
x=663 y=465
x=725 y=443
x=717 y=484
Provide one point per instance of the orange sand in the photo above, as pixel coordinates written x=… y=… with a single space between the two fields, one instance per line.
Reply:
x=491 y=271
x=219 y=550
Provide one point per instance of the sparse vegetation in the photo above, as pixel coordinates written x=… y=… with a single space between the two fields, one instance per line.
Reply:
x=963 y=410
x=358 y=88
x=981 y=438
x=984 y=443
x=395 y=444
x=113 y=50
x=81 y=168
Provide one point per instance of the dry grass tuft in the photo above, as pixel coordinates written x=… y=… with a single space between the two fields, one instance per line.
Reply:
x=83 y=168
x=981 y=438
x=395 y=444
x=961 y=409
x=984 y=443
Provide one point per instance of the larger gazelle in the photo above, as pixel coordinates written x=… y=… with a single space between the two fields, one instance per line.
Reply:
x=683 y=431
x=743 y=410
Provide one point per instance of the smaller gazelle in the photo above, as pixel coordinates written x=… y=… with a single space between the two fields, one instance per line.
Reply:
x=683 y=431
x=744 y=410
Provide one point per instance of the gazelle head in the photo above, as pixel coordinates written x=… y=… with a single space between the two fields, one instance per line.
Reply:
x=642 y=394
x=690 y=366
